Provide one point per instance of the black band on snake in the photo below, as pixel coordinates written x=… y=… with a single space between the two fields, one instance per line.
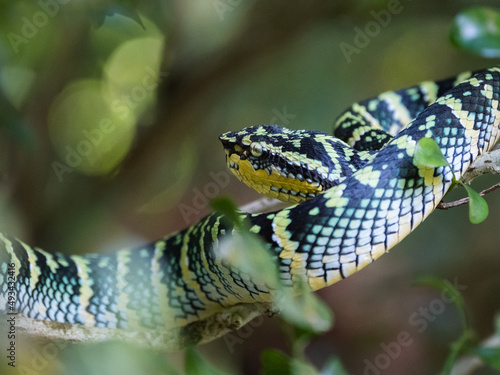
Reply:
x=356 y=195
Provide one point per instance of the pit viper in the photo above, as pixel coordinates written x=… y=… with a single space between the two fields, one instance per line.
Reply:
x=355 y=197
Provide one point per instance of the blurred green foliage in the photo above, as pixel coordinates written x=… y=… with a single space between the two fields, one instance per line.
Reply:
x=113 y=358
x=477 y=30
x=245 y=251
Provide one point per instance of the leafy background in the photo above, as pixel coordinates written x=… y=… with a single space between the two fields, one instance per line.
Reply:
x=222 y=65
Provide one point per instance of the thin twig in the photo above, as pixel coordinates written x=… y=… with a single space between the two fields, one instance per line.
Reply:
x=445 y=205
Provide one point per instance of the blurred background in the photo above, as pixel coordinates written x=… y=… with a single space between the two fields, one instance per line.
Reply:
x=110 y=116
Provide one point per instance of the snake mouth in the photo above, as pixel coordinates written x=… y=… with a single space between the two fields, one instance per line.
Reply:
x=270 y=173
x=231 y=162
x=271 y=182
x=234 y=152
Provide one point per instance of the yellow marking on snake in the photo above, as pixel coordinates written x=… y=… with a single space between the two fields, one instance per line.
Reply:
x=86 y=293
x=262 y=182
x=400 y=111
x=282 y=236
x=10 y=251
x=160 y=287
x=188 y=275
x=34 y=270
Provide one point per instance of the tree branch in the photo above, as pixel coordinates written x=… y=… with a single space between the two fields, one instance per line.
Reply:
x=460 y=202
x=486 y=163
x=170 y=339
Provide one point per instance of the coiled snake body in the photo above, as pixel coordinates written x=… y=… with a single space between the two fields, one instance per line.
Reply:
x=365 y=202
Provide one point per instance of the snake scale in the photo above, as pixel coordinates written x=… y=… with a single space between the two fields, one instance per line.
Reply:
x=352 y=204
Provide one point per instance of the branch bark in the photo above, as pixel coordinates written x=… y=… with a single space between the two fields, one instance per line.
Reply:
x=170 y=339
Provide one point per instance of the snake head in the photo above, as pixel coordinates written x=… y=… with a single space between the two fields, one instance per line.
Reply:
x=290 y=165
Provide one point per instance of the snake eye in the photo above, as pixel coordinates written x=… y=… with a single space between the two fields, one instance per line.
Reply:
x=256 y=149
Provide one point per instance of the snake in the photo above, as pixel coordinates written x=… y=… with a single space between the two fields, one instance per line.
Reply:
x=354 y=194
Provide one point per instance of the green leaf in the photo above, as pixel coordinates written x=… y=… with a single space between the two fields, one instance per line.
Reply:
x=300 y=307
x=428 y=154
x=195 y=364
x=477 y=30
x=247 y=253
x=276 y=362
x=490 y=356
x=245 y=250
x=227 y=208
x=478 y=208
